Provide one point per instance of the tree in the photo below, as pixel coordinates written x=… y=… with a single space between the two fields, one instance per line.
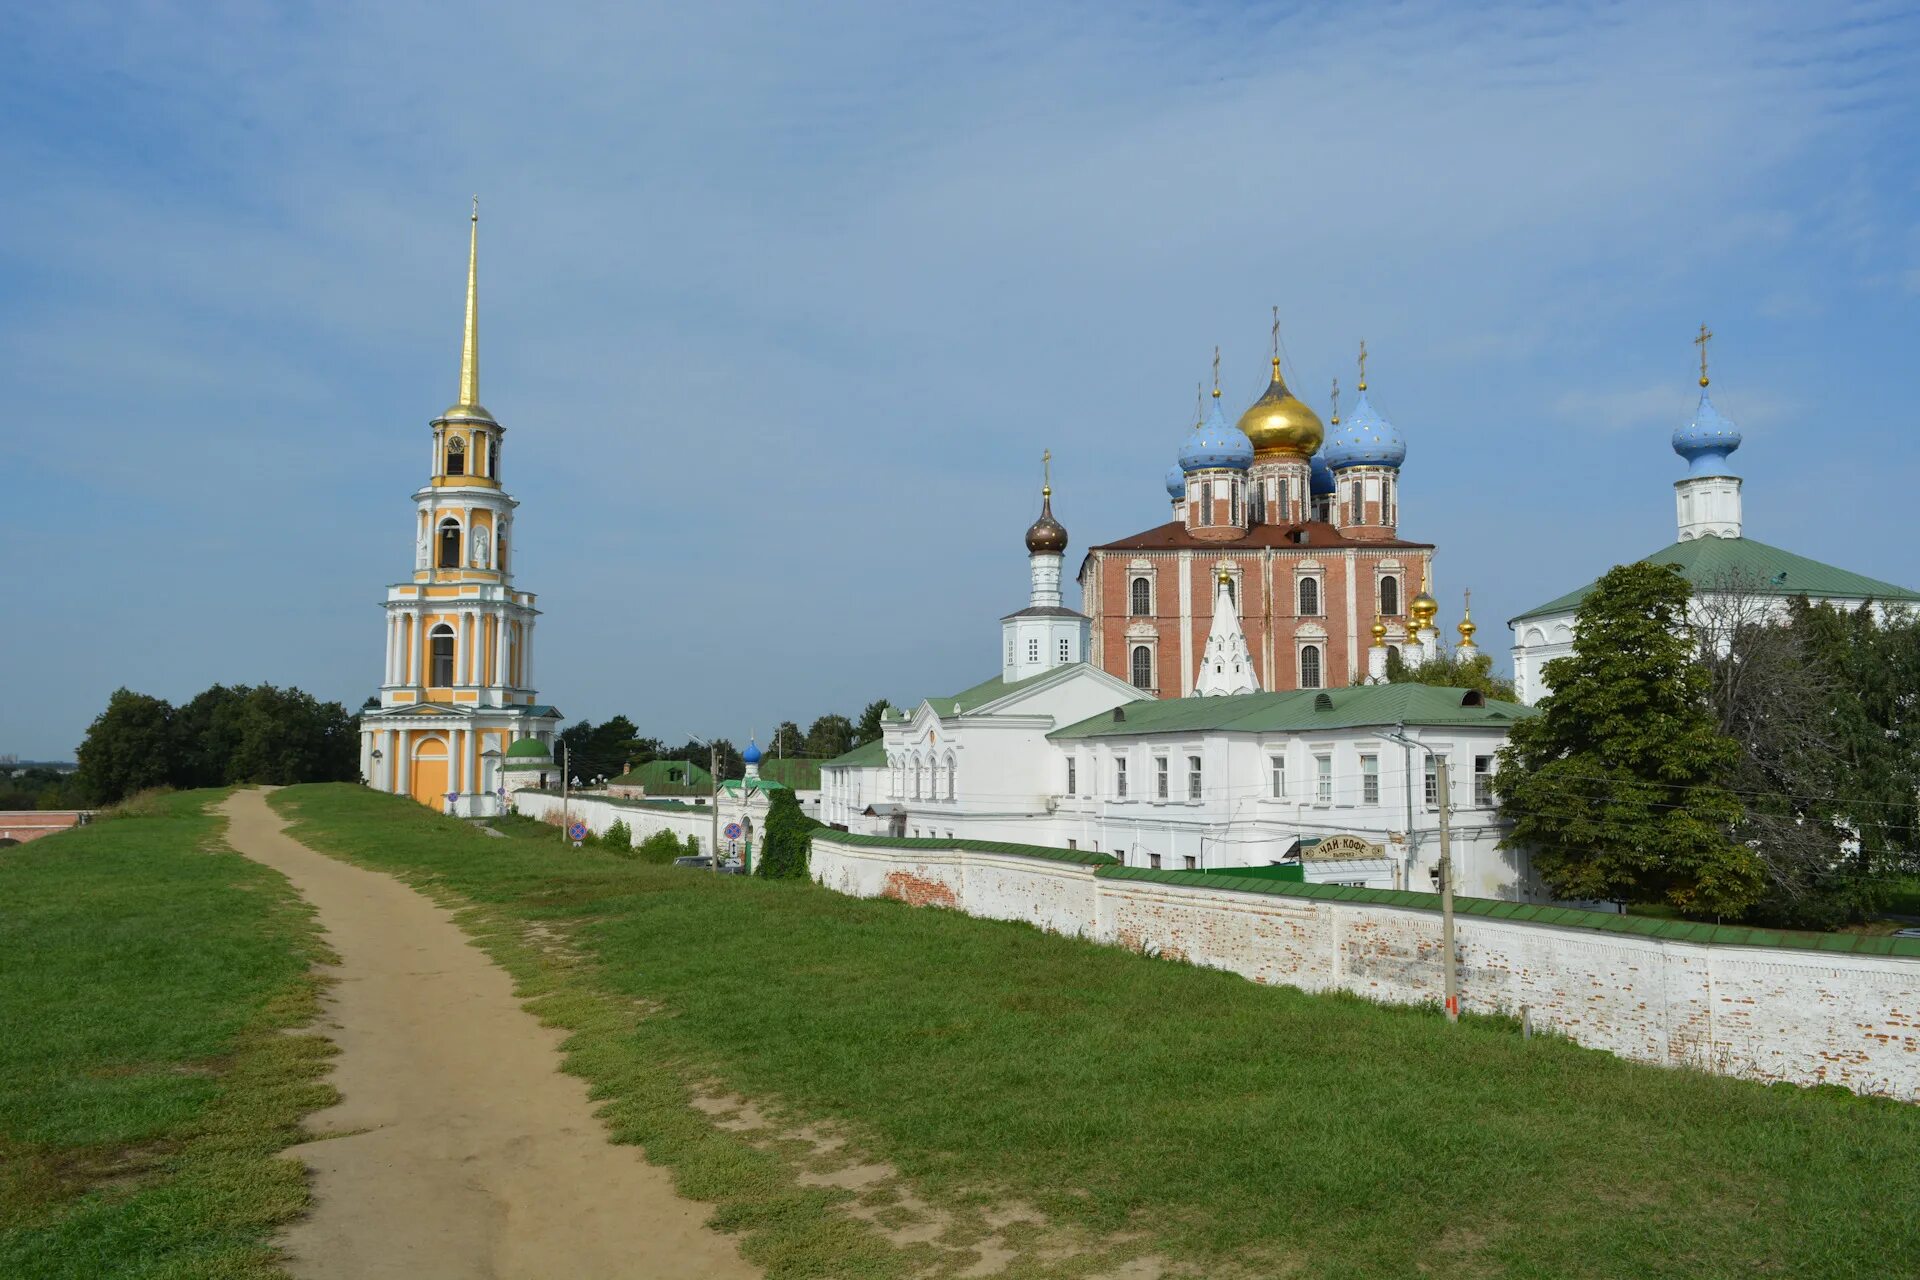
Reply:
x=597 y=750
x=1615 y=785
x=787 y=837
x=871 y=725
x=829 y=736
x=128 y=747
x=787 y=740
x=1453 y=670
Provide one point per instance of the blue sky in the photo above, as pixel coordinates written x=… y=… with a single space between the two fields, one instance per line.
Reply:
x=781 y=304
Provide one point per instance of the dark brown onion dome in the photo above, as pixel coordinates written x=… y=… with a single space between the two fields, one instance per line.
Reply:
x=1047 y=536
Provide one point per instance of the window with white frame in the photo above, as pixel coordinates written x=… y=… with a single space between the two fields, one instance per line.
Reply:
x=1160 y=770
x=1066 y=649
x=1483 y=781
x=1033 y=651
x=1073 y=774
x=1120 y=777
x=1369 y=779
x=1193 y=863
x=1323 y=779
x=1277 y=772
x=1142 y=597
x=1309 y=666
x=1433 y=783
x=1309 y=597
x=1142 y=664
x=1193 y=777
x=1153 y=860
x=1389 y=596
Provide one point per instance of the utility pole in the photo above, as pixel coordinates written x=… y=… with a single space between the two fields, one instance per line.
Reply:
x=713 y=776
x=566 y=817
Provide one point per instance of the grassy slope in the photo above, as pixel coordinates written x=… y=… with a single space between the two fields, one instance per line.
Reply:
x=145 y=1085
x=1227 y=1120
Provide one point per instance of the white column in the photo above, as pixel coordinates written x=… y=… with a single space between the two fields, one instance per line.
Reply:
x=366 y=756
x=526 y=660
x=500 y=650
x=459 y=771
x=387 y=762
x=470 y=656
x=402 y=757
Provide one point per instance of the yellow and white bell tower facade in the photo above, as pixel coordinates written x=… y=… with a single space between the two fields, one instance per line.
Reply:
x=458 y=689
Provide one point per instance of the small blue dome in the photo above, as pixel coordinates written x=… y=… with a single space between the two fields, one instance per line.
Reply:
x=1216 y=443
x=1707 y=440
x=1365 y=439
x=1176 y=482
x=1320 y=479
x=752 y=754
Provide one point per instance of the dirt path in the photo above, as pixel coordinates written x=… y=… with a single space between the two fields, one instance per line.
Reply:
x=466 y=1152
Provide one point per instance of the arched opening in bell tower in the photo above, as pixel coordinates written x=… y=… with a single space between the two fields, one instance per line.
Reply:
x=449 y=544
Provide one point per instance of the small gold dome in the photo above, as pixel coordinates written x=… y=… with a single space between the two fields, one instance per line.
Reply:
x=1466 y=629
x=1379 y=633
x=1423 y=608
x=1280 y=424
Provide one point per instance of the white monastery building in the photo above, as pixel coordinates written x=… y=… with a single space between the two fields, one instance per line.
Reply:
x=1726 y=568
x=457 y=720
x=1339 y=785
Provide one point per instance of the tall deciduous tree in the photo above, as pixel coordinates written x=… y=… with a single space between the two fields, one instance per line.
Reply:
x=870 y=727
x=1453 y=670
x=787 y=740
x=128 y=747
x=1614 y=785
x=829 y=736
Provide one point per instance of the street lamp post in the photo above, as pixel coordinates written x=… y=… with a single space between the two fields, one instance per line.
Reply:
x=1443 y=784
x=713 y=776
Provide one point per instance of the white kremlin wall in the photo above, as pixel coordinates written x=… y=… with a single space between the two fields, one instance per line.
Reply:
x=1769 y=1013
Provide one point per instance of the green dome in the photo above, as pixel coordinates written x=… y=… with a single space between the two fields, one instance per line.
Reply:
x=528 y=749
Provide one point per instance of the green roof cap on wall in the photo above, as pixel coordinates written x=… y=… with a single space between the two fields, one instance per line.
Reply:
x=1299 y=710
x=528 y=749
x=868 y=755
x=1755 y=567
x=668 y=777
x=977 y=696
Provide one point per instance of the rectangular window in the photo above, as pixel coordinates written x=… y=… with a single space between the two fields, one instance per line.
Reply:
x=1277 y=770
x=1153 y=860
x=1073 y=844
x=1033 y=651
x=1323 y=779
x=1066 y=650
x=1072 y=774
x=1159 y=779
x=1483 y=781
x=1120 y=779
x=1433 y=783
x=1193 y=777
x=1193 y=863
x=1369 y=779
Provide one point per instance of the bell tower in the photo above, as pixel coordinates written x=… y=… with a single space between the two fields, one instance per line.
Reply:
x=457 y=690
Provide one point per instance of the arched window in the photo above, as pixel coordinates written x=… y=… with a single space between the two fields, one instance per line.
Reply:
x=1389 y=596
x=1310 y=666
x=952 y=765
x=1259 y=514
x=1142 y=597
x=1233 y=593
x=449 y=543
x=1142 y=667
x=456 y=456
x=916 y=777
x=480 y=455
x=500 y=549
x=1206 y=502
x=442 y=650
x=1309 y=597
x=493 y=460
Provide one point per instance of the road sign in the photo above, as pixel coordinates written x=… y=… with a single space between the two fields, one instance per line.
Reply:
x=577 y=832
x=733 y=830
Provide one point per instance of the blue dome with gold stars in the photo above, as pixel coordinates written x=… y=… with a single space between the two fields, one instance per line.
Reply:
x=1365 y=439
x=1707 y=440
x=1216 y=443
x=1320 y=478
x=1176 y=482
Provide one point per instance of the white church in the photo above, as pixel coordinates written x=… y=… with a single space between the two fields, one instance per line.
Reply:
x=1055 y=751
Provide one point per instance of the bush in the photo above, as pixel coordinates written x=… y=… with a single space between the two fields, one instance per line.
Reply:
x=619 y=836
x=789 y=838
x=149 y=803
x=660 y=848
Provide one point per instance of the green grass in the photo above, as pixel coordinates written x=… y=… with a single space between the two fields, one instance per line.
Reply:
x=146 y=1086
x=1239 y=1129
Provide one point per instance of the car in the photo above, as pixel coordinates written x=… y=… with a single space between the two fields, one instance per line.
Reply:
x=1907 y=933
x=703 y=863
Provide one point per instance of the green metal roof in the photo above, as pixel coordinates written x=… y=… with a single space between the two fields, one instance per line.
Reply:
x=1709 y=562
x=733 y=786
x=801 y=775
x=1079 y=857
x=1301 y=710
x=1536 y=913
x=528 y=748
x=978 y=696
x=657 y=776
x=868 y=755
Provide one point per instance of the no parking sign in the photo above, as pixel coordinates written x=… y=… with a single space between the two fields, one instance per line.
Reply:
x=576 y=833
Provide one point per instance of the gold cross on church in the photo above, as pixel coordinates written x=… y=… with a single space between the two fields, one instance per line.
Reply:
x=1046 y=472
x=1706 y=336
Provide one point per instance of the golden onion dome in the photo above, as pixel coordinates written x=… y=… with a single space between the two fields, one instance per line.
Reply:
x=1466 y=628
x=1280 y=424
x=1379 y=633
x=1046 y=536
x=1423 y=608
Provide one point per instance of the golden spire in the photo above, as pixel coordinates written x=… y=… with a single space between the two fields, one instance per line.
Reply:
x=470 y=345
x=1046 y=473
x=1706 y=335
x=1216 y=373
x=1336 y=402
x=1467 y=627
x=1363 y=364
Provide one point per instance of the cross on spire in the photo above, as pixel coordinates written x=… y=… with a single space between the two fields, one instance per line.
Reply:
x=1276 y=343
x=1706 y=336
x=1363 y=364
x=1046 y=473
x=1336 y=399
